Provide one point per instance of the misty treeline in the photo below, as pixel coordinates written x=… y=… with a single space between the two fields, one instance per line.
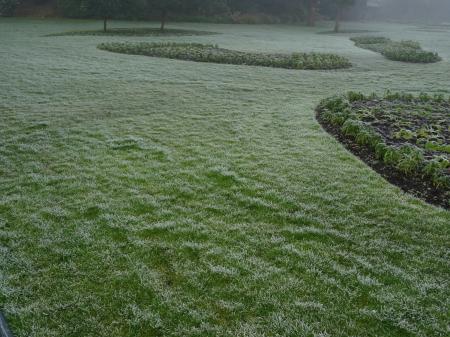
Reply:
x=245 y=10
x=239 y=11
x=414 y=10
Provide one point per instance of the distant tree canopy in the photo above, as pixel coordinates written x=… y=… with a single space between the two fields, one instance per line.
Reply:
x=106 y=9
x=307 y=10
x=7 y=7
x=340 y=6
x=169 y=6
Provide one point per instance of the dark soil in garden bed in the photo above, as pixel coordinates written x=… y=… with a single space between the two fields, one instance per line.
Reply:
x=423 y=124
x=413 y=184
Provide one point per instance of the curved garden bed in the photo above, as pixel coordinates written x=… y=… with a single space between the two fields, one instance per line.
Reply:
x=403 y=137
x=346 y=31
x=404 y=51
x=213 y=54
x=135 y=32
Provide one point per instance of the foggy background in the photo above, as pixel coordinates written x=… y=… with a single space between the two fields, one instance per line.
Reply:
x=409 y=10
x=426 y=11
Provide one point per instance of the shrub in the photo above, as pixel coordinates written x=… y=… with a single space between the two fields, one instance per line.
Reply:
x=404 y=51
x=355 y=96
x=370 y=40
x=381 y=149
x=210 y=53
x=410 y=44
x=411 y=159
x=398 y=52
x=435 y=169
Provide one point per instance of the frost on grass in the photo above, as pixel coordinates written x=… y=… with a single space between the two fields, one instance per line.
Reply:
x=256 y=223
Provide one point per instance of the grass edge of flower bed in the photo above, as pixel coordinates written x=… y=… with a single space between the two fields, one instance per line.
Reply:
x=368 y=146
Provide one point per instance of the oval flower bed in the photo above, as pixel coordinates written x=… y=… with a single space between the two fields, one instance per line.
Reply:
x=134 y=32
x=213 y=54
x=403 y=137
x=404 y=51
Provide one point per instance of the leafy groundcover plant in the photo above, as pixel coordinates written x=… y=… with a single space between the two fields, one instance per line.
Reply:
x=405 y=51
x=406 y=138
x=212 y=53
x=135 y=32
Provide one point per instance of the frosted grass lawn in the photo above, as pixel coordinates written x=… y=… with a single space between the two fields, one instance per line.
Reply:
x=152 y=197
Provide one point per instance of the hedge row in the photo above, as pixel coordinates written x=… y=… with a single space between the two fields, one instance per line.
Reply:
x=212 y=53
x=404 y=51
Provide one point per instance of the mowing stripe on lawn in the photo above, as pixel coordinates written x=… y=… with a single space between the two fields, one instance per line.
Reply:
x=4 y=329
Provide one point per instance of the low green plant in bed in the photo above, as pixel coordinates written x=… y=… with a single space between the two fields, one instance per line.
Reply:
x=213 y=54
x=405 y=51
x=346 y=31
x=408 y=133
x=134 y=32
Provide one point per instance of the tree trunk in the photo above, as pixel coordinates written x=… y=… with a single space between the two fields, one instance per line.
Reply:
x=163 y=19
x=311 y=13
x=337 y=26
x=105 y=24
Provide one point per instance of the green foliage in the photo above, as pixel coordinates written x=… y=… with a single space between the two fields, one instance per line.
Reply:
x=7 y=7
x=335 y=110
x=363 y=40
x=435 y=146
x=354 y=96
x=404 y=51
x=396 y=96
x=400 y=52
x=381 y=150
x=361 y=133
x=396 y=130
x=352 y=128
x=410 y=159
x=436 y=169
x=411 y=44
x=404 y=134
x=210 y=53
